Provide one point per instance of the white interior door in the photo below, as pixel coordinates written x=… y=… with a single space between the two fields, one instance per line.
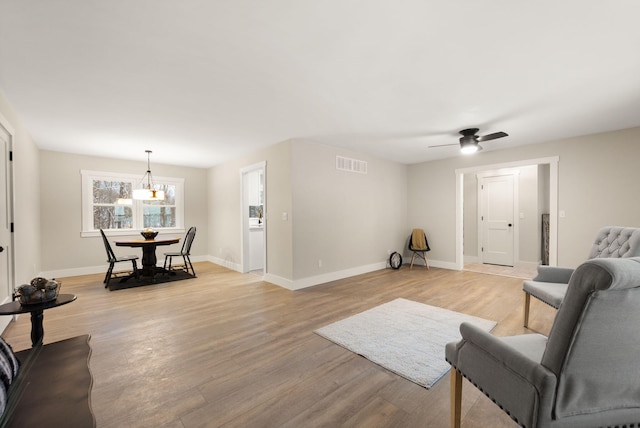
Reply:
x=497 y=219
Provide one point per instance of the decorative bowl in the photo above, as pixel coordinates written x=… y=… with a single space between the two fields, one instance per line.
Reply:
x=40 y=290
x=149 y=234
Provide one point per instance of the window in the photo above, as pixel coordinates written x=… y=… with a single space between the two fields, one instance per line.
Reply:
x=161 y=214
x=107 y=204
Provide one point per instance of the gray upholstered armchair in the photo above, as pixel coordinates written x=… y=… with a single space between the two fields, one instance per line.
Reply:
x=550 y=285
x=585 y=374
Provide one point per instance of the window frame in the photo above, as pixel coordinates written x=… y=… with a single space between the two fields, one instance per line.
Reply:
x=137 y=207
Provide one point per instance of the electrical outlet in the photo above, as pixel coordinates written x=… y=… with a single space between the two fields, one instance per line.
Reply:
x=319 y=263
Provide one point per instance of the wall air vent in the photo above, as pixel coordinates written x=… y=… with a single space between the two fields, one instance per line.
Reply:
x=351 y=165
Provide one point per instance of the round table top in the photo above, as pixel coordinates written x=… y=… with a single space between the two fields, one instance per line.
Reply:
x=147 y=242
x=14 y=308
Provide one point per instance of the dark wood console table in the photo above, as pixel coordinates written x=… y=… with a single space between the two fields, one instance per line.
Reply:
x=37 y=314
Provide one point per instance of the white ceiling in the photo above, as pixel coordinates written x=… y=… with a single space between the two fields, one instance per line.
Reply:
x=203 y=81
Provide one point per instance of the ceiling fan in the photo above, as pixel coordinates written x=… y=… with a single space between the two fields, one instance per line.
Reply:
x=469 y=140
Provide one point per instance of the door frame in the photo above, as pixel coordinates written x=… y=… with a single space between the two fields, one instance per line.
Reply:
x=515 y=173
x=10 y=204
x=244 y=220
x=553 y=203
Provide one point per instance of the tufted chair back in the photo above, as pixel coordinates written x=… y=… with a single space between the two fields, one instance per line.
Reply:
x=616 y=242
x=593 y=345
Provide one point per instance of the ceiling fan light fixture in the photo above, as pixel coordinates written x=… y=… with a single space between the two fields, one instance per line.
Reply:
x=469 y=140
x=468 y=148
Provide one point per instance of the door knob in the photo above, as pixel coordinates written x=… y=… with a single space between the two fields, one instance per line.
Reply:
x=510 y=224
x=1 y=249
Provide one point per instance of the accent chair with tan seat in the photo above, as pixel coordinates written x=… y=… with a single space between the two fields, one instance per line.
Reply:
x=584 y=374
x=550 y=285
x=419 y=246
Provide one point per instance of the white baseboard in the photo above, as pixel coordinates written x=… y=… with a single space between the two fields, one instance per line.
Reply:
x=442 y=265
x=225 y=263
x=299 y=284
x=279 y=281
x=305 y=282
x=87 y=270
x=334 y=276
x=527 y=265
x=289 y=284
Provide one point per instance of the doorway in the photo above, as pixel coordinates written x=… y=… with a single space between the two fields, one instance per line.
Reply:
x=498 y=199
x=551 y=163
x=253 y=214
x=6 y=216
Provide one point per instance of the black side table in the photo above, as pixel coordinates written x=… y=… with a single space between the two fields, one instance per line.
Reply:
x=37 y=314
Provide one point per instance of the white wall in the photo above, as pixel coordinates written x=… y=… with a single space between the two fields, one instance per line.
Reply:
x=528 y=219
x=314 y=212
x=431 y=194
x=597 y=187
x=26 y=164
x=65 y=252
x=225 y=227
x=345 y=220
x=470 y=218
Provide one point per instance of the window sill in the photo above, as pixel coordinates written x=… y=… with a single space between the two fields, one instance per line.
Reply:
x=131 y=232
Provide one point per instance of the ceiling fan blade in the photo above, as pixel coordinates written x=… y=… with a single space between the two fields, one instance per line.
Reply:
x=444 y=145
x=492 y=136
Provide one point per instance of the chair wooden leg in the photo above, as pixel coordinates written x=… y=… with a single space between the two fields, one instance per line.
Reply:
x=527 y=303
x=107 y=277
x=422 y=255
x=187 y=264
x=426 y=263
x=135 y=269
x=456 y=398
x=193 y=271
x=166 y=269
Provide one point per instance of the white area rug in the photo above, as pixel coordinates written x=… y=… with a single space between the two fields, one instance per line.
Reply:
x=403 y=336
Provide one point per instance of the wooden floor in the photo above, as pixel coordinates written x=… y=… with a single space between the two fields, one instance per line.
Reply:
x=227 y=349
x=518 y=272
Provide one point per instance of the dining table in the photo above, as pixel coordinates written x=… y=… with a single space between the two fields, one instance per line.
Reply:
x=149 y=259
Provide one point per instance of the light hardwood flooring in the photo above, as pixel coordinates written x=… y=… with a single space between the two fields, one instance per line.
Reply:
x=227 y=349
x=518 y=272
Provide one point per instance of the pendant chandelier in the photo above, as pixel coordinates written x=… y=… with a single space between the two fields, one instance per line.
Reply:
x=148 y=191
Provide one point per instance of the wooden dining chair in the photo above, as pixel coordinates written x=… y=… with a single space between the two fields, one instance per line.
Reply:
x=185 y=252
x=112 y=259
